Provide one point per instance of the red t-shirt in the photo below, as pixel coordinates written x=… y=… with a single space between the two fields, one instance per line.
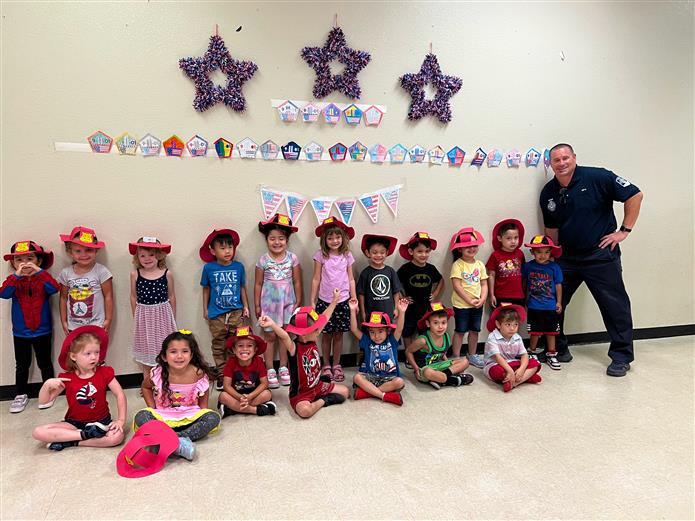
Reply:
x=245 y=378
x=87 y=396
x=507 y=268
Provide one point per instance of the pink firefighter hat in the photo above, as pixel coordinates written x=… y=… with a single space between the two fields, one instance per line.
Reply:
x=465 y=238
x=543 y=241
x=134 y=461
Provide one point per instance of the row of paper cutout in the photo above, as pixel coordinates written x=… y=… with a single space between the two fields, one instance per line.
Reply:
x=291 y=151
x=289 y=111
x=271 y=199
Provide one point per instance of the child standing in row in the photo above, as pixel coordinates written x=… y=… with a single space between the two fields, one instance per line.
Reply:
x=378 y=287
x=245 y=377
x=30 y=287
x=176 y=392
x=152 y=299
x=277 y=289
x=86 y=287
x=225 y=302
x=505 y=262
x=309 y=390
x=469 y=280
x=428 y=353
x=422 y=283
x=379 y=376
x=333 y=269
x=88 y=419
x=543 y=278
x=506 y=360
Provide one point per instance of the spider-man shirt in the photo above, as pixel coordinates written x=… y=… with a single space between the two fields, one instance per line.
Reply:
x=31 y=313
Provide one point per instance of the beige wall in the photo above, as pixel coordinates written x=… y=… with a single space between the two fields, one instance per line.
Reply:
x=623 y=95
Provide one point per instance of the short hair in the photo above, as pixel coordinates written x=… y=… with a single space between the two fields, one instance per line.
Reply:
x=505 y=228
x=223 y=239
x=267 y=228
x=508 y=314
x=427 y=243
x=562 y=145
x=323 y=240
x=371 y=241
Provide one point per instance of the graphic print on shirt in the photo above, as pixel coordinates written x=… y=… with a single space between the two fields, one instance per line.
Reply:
x=226 y=288
x=540 y=285
x=245 y=385
x=472 y=277
x=380 y=286
x=84 y=395
x=80 y=298
x=420 y=280
x=382 y=359
x=310 y=365
x=509 y=268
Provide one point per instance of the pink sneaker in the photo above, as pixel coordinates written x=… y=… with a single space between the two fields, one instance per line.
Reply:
x=273 y=379
x=284 y=374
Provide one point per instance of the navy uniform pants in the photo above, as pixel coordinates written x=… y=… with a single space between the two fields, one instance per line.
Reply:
x=602 y=272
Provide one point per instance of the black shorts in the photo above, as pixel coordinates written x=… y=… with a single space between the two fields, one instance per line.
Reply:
x=81 y=425
x=542 y=322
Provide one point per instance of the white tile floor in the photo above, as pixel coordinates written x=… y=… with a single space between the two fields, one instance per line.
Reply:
x=580 y=445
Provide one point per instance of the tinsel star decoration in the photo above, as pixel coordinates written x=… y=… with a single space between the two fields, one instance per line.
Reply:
x=216 y=57
x=336 y=48
x=446 y=86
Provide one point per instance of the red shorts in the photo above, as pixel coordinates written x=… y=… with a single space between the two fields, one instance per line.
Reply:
x=316 y=392
x=497 y=372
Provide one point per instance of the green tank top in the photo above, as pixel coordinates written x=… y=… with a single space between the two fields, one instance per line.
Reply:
x=433 y=353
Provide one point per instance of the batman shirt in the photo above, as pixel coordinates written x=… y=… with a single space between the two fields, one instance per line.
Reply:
x=418 y=283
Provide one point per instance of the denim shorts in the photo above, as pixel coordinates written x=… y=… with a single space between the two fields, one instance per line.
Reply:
x=467 y=319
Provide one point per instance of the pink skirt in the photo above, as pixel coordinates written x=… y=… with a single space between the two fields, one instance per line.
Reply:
x=153 y=323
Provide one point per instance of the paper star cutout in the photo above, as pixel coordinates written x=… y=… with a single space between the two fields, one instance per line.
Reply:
x=216 y=57
x=319 y=58
x=446 y=87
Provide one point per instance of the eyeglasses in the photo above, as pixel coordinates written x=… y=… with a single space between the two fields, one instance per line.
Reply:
x=563 y=195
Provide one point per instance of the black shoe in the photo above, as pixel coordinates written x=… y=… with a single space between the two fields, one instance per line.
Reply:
x=94 y=430
x=333 y=399
x=618 y=368
x=219 y=384
x=224 y=410
x=60 y=445
x=466 y=379
x=564 y=356
x=266 y=409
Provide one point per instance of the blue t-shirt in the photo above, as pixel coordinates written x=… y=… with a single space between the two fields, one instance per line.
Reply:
x=380 y=359
x=540 y=284
x=225 y=287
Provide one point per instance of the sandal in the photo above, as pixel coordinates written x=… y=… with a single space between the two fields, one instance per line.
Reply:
x=338 y=374
x=326 y=371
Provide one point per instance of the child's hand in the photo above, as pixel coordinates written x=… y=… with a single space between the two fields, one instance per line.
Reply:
x=477 y=302
x=416 y=370
x=518 y=375
x=336 y=295
x=410 y=299
x=493 y=301
x=558 y=308
x=116 y=427
x=245 y=313
x=402 y=305
x=244 y=401
x=26 y=269
x=265 y=321
x=258 y=311
x=510 y=377
x=106 y=325
x=354 y=304
x=65 y=328
x=55 y=385
x=205 y=314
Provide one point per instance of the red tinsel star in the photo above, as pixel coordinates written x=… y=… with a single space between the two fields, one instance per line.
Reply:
x=446 y=87
x=336 y=48
x=216 y=57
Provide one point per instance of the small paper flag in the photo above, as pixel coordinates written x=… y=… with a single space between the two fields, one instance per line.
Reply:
x=346 y=207
x=322 y=207
x=391 y=196
x=270 y=199
x=370 y=203
x=295 y=205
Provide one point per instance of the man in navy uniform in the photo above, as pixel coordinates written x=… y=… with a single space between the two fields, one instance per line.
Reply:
x=577 y=206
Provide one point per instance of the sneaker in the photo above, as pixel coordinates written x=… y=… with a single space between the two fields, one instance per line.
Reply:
x=219 y=384
x=533 y=357
x=47 y=405
x=435 y=385
x=224 y=410
x=360 y=394
x=477 y=361
x=466 y=379
x=453 y=381
x=60 y=445
x=332 y=399
x=266 y=409
x=618 y=368
x=186 y=448
x=94 y=430
x=565 y=356
x=284 y=375
x=407 y=365
x=535 y=379
x=19 y=403
x=273 y=379
x=393 y=397
x=552 y=361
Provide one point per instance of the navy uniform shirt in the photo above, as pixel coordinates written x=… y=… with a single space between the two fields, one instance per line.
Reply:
x=583 y=211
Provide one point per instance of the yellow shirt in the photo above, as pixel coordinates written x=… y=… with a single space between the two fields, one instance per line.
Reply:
x=470 y=274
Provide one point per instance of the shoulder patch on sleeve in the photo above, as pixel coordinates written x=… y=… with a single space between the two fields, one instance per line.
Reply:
x=622 y=181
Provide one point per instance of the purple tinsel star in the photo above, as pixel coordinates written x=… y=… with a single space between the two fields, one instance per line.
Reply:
x=446 y=87
x=206 y=92
x=319 y=58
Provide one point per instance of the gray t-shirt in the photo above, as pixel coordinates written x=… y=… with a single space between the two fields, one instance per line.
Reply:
x=379 y=288
x=85 y=298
